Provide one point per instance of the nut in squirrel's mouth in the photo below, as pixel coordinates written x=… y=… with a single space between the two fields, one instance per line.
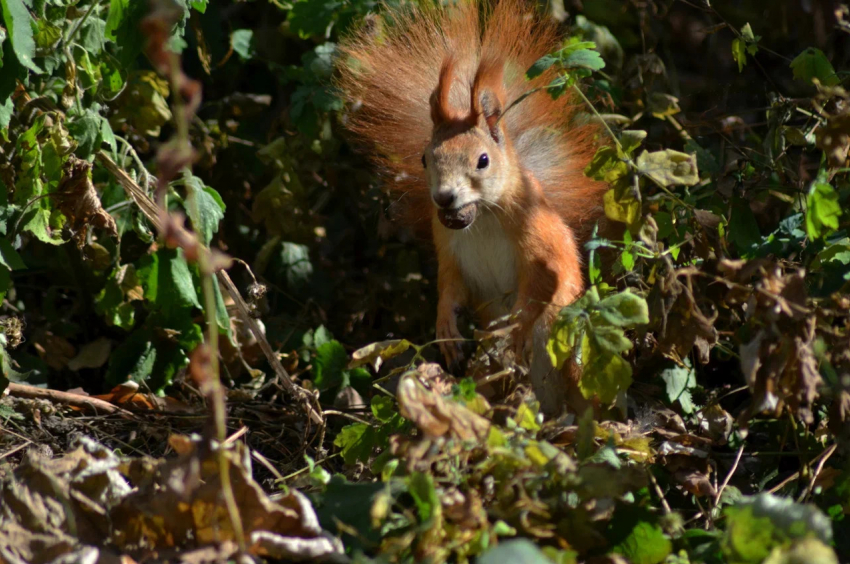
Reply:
x=458 y=218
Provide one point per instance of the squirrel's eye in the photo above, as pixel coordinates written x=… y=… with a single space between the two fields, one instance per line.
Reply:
x=483 y=161
x=423 y=162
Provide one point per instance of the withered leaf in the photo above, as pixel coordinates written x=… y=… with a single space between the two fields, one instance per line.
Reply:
x=437 y=417
x=78 y=201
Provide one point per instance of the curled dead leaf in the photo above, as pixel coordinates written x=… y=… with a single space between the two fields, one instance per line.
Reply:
x=78 y=201
x=438 y=417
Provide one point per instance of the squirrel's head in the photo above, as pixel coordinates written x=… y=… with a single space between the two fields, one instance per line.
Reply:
x=469 y=160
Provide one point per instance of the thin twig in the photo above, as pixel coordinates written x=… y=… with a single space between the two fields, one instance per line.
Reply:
x=796 y=474
x=824 y=457
x=729 y=475
x=16 y=449
x=664 y=504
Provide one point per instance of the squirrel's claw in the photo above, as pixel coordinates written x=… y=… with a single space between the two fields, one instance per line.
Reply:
x=451 y=343
x=522 y=343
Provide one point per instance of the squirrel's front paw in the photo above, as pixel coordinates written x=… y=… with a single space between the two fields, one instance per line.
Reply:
x=523 y=342
x=451 y=342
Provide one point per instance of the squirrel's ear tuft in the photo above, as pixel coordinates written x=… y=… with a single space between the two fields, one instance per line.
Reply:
x=488 y=96
x=441 y=110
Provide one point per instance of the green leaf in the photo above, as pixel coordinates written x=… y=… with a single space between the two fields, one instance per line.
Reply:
x=611 y=339
x=123 y=26
x=540 y=66
x=37 y=220
x=241 y=42
x=143 y=367
x=646 y=544
x=5 y=282
x=168 y=281
x=743 y=229
x=308 y=18
x=812 y=63
x=627 y=257
x=526 y=416
x=87 y=130
x=624 y=309
x=47 y=35
x=331 y=361
x=321 y=336
x=19 y=25
x=757 y=525
x=585 y=58
x=569 y=327
x=680 y=380
x=298 y=270
x=630 y=139
x=356 y=442
x=12 y=71
x=133 y=359
x=9 y=257
x=520 y=551
x=205 y=208
x=604 y=374
x=822 y=210
x=668 y=168
x=705 y=159
x=383 y=408
x=117 y=9
x=804 y=551
x=747 y=33
x=564 y=338
x=93 y=36
x=6 y=109
x=113 y=302
x=221 y=316
x=421 y=487
x=739 y=53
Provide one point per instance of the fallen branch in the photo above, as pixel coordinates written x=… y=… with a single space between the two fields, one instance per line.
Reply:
x=74 y=400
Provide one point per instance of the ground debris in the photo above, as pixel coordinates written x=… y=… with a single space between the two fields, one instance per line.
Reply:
x=61 y=509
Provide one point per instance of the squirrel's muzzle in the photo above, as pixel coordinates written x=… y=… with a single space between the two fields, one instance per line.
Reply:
x=458 y=218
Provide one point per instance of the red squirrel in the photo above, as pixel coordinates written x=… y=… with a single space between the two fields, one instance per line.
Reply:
x=501 y=187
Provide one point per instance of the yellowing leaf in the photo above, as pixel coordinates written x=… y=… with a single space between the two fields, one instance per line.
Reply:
x=604 y=374
x=662 y=105
x=376 y=353
x=669 y=168
x=622 y=205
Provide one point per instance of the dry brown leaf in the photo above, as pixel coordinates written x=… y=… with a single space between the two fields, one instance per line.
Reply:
x=437 y=417
x=78 y=201
x=695 y=482
x=54 y=350
x=778 y=363
x=180 y=505
x=678 y=320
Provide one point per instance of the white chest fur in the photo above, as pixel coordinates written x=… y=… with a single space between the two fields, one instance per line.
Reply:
x=488 y=262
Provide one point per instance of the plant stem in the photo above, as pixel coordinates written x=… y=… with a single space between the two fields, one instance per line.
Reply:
x=217 y=391
x=604 y=123
x=81 y=23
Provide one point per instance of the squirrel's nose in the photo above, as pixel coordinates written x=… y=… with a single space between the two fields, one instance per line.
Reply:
x=444 y=199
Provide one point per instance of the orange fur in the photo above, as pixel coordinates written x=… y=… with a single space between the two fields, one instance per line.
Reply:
x=390 y=73
x=439 y=80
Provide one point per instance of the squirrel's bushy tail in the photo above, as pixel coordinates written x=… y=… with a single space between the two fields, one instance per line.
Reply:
x=391 y=66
